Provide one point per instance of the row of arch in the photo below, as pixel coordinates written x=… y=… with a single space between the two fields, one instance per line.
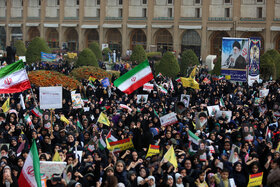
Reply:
x=163 y=39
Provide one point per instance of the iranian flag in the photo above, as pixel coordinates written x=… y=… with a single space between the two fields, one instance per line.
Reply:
x=30 y=173
x=37 y=112
x=193 y=138
x=135 y=78
x=13 y=78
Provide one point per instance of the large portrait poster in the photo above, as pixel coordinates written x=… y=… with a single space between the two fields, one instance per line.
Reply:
x=234 y=58
x=254 y=60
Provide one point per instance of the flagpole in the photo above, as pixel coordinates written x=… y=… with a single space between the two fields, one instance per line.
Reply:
x=51 y=122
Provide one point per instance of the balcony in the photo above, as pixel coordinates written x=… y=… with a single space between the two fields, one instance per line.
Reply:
x=113 y=18
x=3 y=18
x=275 y=19
x=163 y=18
x=16 y=18
x=52 y=18
x=71 y=18
x=190 y=19
x=33 y=18
x=219 y=19
x=91 y=18
x=252 y=19
x=137 y=18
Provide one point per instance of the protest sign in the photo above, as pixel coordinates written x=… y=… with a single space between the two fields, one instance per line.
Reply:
x=200 y=119
x=212 y=110
x=48 y=168
x=23 y=58
x=168 y=119
x=185 y=99
x=77 y=100
x=153 y=150
x=264 y=92
x=142 y=98
x=248 y=132
x=47 y=57
x=120 y=145
x=148 y=87
x=50 y=97
x=224 y=115
x=47 y=119
x=255 y=179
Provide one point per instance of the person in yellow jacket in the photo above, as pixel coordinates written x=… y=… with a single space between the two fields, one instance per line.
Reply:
x=222 y=179
x=200 y=181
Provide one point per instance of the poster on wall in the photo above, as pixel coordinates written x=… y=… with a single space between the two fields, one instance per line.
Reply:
x=254 y=60
x=235 y=58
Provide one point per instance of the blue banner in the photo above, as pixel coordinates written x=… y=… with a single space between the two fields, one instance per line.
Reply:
x=46 y=57
x=105 y=82
x=235 y=59
x=254 y=60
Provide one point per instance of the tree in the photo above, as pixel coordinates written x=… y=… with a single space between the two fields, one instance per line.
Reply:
x=188 y=60
x=267 y=67
x=105 y=52
x=138 y=54
x=36 y=46
x=217 y=67
x=87 y=58
x=168 y=65
x=94 y=46
x=20 y=48
x=274 y=54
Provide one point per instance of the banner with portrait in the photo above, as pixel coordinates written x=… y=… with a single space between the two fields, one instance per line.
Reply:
x=235 y=58
x=254 y=60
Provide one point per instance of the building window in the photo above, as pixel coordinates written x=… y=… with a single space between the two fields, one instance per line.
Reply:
x=21 y=2
x=144 y=12
x=78 y=2
x=259 y=12
x=197 y=12
x=227 y=12
x=57 y=2
x=77 y=13
x=259 y=1
x=120 y=13
x=98 y=2
x=227 y=1
x=98 y=13
x=120 y=2
x=39 y=2
x=197 y=1
x=170 y=12
x=144 y=2
x=170 y=2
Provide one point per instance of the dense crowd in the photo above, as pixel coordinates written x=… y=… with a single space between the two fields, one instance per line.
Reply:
x=213 y=162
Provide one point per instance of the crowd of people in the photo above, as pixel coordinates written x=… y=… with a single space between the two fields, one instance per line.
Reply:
x=223 y=157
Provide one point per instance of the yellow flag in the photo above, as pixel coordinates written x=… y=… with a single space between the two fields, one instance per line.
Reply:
x=192 y=75
x=56 y=157
x=194 y=125
x=6 y=106
x=63 y=118
x=189 y=82
x=103 y=119
x=153 y=150
x=91 y=78
x=171 y=157
x=278 y=147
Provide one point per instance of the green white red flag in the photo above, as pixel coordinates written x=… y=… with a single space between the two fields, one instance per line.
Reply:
x=13 y=78
x=135 y=78
x=30 y=173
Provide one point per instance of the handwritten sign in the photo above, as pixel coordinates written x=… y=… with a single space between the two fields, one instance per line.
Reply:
x=50 y=97
x=48 y=168
x=168 y=119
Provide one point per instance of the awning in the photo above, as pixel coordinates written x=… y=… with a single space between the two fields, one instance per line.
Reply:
x=112 y=25
x=51 y=25
x=190 y=27
x=218 y=28
x=162 y=26
x=2 y=25
x=136 y=26
x=89 y=26
x=32 y=24
x=275 y=28
x=14 y=25
x=68 y=25
x=251 y=29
